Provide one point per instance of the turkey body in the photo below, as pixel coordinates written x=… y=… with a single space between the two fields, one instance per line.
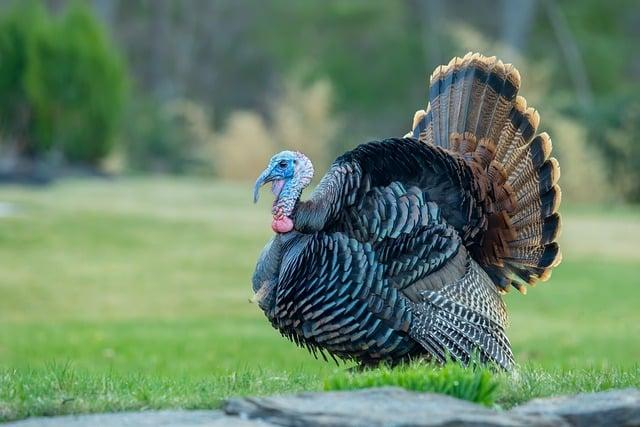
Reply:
x=405 y=246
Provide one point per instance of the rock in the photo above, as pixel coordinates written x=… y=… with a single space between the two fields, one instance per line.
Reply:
x=140 y=419
x=608 y=408
x=377 y=407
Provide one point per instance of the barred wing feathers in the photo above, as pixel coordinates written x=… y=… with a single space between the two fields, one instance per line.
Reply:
x=388 y=289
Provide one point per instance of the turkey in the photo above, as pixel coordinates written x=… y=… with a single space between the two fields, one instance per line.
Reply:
x=405 y=246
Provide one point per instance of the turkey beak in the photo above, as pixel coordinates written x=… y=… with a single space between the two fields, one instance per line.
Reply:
x=264 y=178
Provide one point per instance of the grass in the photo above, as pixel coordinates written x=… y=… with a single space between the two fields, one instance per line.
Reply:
x=475 y=385
x=503 y=390
x=57 y=389
x=134 y=293
x=62 y=389
x=532 y=381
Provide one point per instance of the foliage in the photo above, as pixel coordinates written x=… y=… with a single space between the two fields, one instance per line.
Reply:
x=348 y=56
x=602 y=35
x=610 y=111
x=367 y=59
x=75 y=81
x=584 y=169
x=614 y=131
x=372 y=54
x=177 y=137
x=473 y=384
x=18 y=27
x=171 y=138
x=302 y=119
x=244 y=147
x=64 y=82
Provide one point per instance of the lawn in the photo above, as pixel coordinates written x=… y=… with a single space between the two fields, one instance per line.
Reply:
x=134 y=293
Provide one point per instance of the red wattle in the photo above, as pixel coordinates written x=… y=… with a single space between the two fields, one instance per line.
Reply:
x=282 y=224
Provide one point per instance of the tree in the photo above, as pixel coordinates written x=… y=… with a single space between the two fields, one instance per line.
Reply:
x=76 y=84
x=17 y=30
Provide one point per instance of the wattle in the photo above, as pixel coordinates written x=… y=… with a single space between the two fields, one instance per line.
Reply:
x=282 y=224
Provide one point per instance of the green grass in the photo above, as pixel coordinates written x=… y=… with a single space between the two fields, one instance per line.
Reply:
x=532 y=381
x=63 y=389
x=135 y=294
x=485 y=387
x=475 y=385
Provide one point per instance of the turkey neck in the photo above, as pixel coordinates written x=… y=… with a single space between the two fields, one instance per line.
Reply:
x=288 y=197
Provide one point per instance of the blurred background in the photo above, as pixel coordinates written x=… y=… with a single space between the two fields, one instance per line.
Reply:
x=131 y=130
x=213 y=87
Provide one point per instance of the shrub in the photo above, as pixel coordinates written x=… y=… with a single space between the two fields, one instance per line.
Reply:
x=244 y=147
x=614 y=129
x=62 y=83
x=76 y=83
x=172 y=138
x=583 y=168
x=301 y=119
x=18 y=27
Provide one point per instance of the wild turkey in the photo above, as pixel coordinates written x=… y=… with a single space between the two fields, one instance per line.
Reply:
x=403 y=249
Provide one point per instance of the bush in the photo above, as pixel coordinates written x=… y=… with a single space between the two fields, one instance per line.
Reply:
x=63 y=83
x=301 y=119
x=615 y=128
x=244 y=148
x=583 y=176
x=172 y=138
x=18 y=28
x=76 y=82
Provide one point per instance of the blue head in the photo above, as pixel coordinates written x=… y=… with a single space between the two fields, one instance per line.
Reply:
x=289 y=172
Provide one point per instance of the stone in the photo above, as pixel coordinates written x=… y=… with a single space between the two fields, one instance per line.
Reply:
x=608 y=408
x=377 y=407
x=178 y=418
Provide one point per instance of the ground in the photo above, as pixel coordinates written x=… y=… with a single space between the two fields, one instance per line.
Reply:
x=134 y=293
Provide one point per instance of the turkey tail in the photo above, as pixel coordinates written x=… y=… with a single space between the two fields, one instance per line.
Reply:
x=472 y=94
x=475 y=112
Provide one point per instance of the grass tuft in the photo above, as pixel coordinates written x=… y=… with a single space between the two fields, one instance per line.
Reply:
x=473 y=384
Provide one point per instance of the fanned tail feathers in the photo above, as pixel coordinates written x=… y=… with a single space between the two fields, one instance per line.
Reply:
x=475 y=112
